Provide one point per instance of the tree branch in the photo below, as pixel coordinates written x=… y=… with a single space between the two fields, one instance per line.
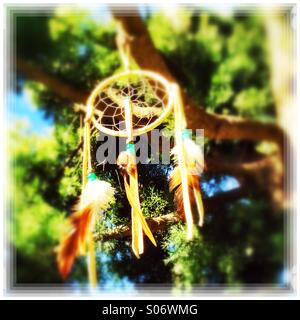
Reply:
x=162 y=222
x=135 y=38
x=215 y=126
x=58 y=86
x=123 y=231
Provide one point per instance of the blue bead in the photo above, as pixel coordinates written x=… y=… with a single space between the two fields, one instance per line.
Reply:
x=186 y=134
x=130 y=147
x=92 y=176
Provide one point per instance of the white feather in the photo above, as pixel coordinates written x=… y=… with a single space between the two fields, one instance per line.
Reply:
x=193 y=150
x=194 y=154
x=99 y=193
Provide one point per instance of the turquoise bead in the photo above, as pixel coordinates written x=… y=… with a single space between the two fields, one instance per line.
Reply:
x=186 y=134
x=92 y=176
x=130 y=147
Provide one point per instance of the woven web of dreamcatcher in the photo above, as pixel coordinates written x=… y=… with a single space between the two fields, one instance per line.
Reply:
x=148 y=98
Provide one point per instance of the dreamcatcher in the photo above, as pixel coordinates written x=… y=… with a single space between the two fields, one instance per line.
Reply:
x=127 y=105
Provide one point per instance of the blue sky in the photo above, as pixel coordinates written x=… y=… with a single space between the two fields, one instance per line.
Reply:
x=21 y=109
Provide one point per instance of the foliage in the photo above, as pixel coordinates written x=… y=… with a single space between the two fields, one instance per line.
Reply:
x=154 y=202
x=36 y=224
x=228 y=248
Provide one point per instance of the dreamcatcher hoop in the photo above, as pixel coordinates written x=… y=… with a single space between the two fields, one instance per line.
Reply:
x=147 y=78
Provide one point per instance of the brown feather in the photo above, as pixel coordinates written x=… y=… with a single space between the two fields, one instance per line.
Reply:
x=175 y=184
x=139 y=224
x=73 y=243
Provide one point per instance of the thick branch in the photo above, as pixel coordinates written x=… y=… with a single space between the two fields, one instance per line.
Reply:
x=231 y=127
x=162 y=222
x=215 y=126
x=58 y=86
x=136 y=40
